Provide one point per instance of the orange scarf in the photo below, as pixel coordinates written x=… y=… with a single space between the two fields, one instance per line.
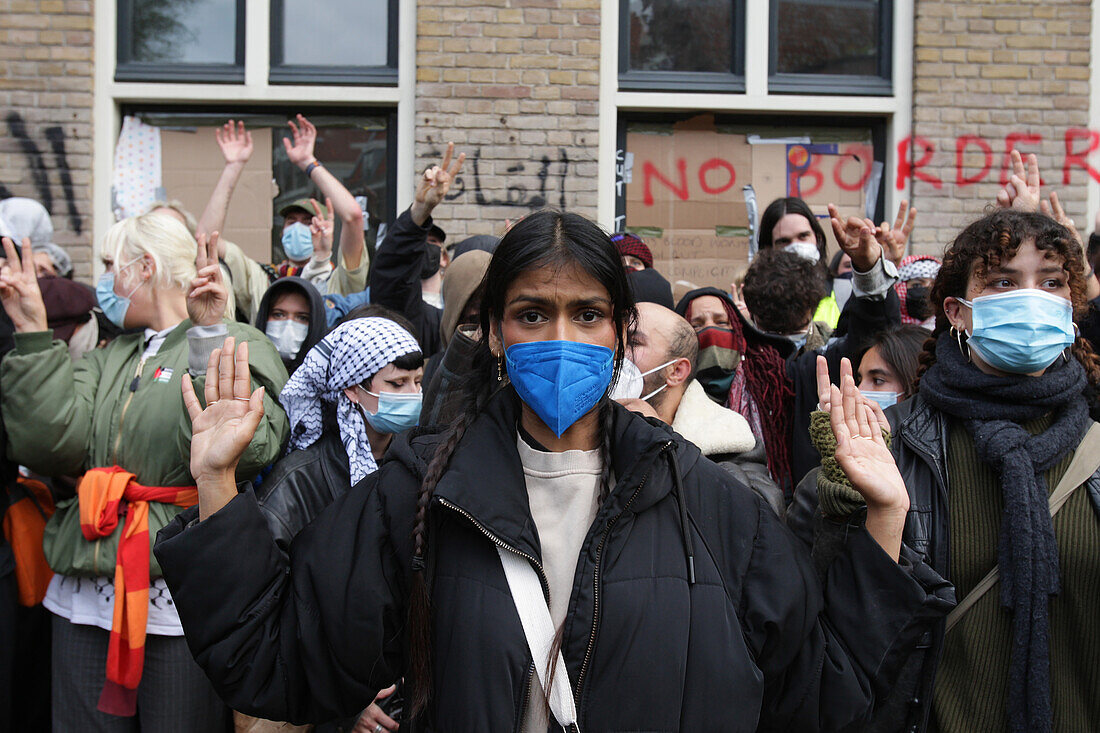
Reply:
x=102 y=493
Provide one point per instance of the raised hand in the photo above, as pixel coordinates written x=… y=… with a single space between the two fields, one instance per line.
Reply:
x=222 y=430
x=322 y=227
x=207 y=296
x=235 y=143
x=1054 y=210
x=865 y=459
x=19 y=293
x=893 y=240
x=857 y=238
x=305 y=137
x=1022 y=192
x=435 y=183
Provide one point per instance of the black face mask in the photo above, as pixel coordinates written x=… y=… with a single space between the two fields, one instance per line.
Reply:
x=918 y=302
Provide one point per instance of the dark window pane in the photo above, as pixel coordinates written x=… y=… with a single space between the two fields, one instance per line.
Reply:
x=353 y=150
x=827 y=37
x=681 y=35
x=309 y=40
x=183 y=31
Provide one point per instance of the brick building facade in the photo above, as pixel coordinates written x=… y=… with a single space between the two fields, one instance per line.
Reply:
x=529 y=89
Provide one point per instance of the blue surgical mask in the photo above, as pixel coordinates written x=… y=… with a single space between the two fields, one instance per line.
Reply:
x=113 y=305
x=397 y=411
x=1021 y=331
x=884 y=399
x=560 y=380
x=297 y=242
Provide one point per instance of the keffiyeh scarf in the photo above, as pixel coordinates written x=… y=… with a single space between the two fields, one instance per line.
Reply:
x=349 y=355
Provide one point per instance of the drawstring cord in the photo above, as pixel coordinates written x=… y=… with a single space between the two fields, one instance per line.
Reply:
x=685 y=528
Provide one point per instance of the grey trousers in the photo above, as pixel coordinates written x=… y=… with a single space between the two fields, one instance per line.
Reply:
x=174 y=695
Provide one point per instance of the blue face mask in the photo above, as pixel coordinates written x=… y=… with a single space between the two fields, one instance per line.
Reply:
x=1022 y=331
x=113 y=305
x=884 y=399
x=297 y=242
x=397 y=411
x=560 y=380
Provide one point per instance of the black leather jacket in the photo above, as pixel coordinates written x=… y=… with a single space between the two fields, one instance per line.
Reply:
x=920 y=449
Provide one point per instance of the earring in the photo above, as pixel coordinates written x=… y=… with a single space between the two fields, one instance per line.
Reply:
x=500 y=368
x=964 y=349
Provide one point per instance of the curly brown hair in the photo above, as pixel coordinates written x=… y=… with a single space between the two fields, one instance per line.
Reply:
x=782 y=290
x=993 y=240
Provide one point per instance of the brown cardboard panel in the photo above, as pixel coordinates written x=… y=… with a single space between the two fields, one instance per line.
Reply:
x=191 y=163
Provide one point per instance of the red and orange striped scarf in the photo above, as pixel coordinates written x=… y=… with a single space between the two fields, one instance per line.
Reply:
x=102 y=492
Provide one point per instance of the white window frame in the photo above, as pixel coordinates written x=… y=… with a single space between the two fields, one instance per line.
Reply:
x=897 y=108
x=110 y=95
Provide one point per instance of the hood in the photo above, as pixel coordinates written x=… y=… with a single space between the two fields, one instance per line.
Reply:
x=318 y=325
x=68 y=304
x=462 y=278
x=716 y=430
x=750 y=331
x=26 y=218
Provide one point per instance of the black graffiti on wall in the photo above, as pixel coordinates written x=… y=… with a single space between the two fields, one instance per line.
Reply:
x=36 y=162
x=517 y=194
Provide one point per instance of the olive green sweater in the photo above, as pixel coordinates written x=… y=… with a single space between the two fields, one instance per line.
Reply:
x=973 y=673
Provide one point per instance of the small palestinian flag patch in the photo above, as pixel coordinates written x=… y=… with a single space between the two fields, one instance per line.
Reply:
x=162 y=374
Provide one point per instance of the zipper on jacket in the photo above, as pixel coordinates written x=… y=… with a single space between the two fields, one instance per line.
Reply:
x=596 y=577
x=126 y=405
x=542 y=578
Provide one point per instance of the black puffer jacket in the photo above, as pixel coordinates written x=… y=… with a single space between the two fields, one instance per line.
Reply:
x=753 y=644
x=303 y=483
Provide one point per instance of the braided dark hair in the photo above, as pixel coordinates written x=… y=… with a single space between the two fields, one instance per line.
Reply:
x=543 y=239
x=993 y=240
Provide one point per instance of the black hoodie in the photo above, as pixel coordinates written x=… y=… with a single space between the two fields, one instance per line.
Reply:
x=318 y=325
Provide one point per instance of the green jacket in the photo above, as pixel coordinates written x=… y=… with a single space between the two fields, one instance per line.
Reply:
x=64 y=418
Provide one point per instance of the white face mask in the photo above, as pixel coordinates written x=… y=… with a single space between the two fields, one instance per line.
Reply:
x=632 y=379
x=805 y=250
x=288 y=336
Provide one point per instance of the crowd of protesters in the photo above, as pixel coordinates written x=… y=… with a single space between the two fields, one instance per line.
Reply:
x=513 y=484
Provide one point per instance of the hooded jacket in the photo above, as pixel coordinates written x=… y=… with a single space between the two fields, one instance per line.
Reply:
x=751 y=644
x=318 y=324
x=864 y=317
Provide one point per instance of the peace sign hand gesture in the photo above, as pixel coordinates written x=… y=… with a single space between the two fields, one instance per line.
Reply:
x=207 y=296
x=857 y=238
x=222 y=430
x=19 y=293
x=893 y=240
x=1022 y=192
x=435 y=183
x=322 y=227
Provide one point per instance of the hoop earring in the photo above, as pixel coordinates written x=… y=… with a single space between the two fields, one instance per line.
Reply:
x=500 y=368
x=964 y=348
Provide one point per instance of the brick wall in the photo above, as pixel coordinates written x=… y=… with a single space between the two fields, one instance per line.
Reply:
x=514 y=83
x=993 y=69
x=46 y=106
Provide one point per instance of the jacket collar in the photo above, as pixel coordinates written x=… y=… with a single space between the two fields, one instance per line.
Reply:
x=715 y=429
x=484 y=479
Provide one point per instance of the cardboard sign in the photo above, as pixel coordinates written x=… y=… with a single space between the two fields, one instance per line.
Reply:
x=685 y=196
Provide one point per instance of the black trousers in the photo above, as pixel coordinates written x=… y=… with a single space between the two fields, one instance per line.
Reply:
x=174 y=695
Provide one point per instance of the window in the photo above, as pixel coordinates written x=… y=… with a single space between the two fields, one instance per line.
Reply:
x=830 y=46
x=180 y=40
x=306 y=47
x=695 y=45
x=355 y=146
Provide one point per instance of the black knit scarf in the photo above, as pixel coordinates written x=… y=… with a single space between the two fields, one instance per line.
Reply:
x=992 y=409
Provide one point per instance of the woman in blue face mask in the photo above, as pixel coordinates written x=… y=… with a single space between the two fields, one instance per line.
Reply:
x=518 y=566
x=985 y=445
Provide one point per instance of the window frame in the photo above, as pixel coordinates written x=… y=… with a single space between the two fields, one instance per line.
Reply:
x=835 y=84
x=281 y=73
x=681 y=81
x=126 y=69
